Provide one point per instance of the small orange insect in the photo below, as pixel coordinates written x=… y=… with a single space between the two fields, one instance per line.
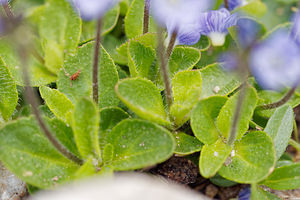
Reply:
x=73 y=77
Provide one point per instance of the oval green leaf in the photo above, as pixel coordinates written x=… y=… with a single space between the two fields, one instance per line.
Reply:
x=57 y=102
x=139 y=144
x=142 y=97
x=8 y=92
x=85 y=124
x=225 y=118
x=186 y=144
x=203 y=119
x=252 y=159
x=212 y=158
x=280 y=128
x=26 y=152
x=284 y=178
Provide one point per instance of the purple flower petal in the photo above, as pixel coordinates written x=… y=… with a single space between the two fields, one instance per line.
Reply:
x=232 y=4
x=93 y=9
x=245 y=194
x=175 y=14
x=229 y=61
x=248 y=30
x=275 y=62
x=215 y=25
x=295 y=33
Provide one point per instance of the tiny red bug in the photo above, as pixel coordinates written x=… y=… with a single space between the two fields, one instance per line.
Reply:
x=72 y=77
x=75 y=76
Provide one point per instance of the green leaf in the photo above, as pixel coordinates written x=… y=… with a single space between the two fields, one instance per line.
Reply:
x=109 y=21
x=82 y=86
x=108 y=155
x=148 y=40
x=109 y=118
x=203 y=119
x=57 y=102
x=225 y=118
x=267 y=97
x=186 y=144
x=255 y=8
x=8 y=92
x=63 y=133
x=86 y=170
x=258 y=193
x=252 y=159
x=280 y=128
x=284 y=178
x=26 y=152
x=142 y=97
x=139 y=144
x=186 y=86
x=111 y=43
x=182 y=58
x=203 y=44
x=54 y=56
x=85 y=127
x=60 y=23
x=38 y=73
x=140 y=60
x=217 y=82
x=134 y=20
x=222 y=182
x=212 y=157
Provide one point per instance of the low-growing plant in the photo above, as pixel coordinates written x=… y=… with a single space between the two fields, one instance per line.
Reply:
x=123 y=100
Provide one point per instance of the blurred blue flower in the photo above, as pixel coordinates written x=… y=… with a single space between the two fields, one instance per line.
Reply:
x=248 y=30
x=181 y=16
x=275 y=63
x=93 y=9
x=229 y=61
x=187 y=35
x=245 y=194
x=295 y=33
x=4 y=1
x=215 y=25
x=232 y=4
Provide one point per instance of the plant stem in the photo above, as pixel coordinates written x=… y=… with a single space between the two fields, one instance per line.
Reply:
x=31 y=98
x=171 y=44
x=237 y=113
x=279 y=103
x=294 y=144
x=146 y=16
x=96 y=61
x=7 y=10
x=226 y=4
x=296 y=131
x=164 y=69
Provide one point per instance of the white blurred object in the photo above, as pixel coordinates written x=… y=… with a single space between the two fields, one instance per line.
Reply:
x=121 y=187
x=10 y=186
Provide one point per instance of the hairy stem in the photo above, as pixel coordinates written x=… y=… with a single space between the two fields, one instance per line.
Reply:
x=164 y=69
x=146 y=16
x=237 y=113
x=96 y=61
x=296 y=131
x=171 y=44
x=226 y=4
x=279 y=103
x=31 y=98
x=7 y=10
x=294 y=144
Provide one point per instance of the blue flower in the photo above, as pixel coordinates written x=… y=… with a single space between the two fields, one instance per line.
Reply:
x=245 y=194
x=295 y=33
x=248 y=30
x=232 y=4
x=187 y=35
x=215 y=25
x=275 y=63
x=4 y=1
x=93 y=9
x=229 y=61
